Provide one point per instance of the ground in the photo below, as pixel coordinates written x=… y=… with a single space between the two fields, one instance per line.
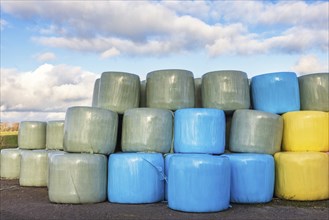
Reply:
x=31 y=203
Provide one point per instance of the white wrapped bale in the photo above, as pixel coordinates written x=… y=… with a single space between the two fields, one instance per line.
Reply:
x=91 y=130
x=119 y=91
x=10 y=163
x=256 y=132
x=147 y=129
x=34 y=168
x=227 y=90
x=170 y=89
x=32 y=135
x=95 y=93
x=55 y=135
x=314 y=92
x=52 y=153
x=77 y=178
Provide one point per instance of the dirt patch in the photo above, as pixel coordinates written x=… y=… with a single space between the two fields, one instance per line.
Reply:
x=32 y=203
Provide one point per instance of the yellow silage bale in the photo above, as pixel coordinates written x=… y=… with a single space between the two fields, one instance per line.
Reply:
x=302 y=176
x=305 y=131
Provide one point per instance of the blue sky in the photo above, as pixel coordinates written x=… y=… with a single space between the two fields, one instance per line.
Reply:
x=52 y=51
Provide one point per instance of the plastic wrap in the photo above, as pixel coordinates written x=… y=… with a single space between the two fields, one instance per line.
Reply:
x=32 y=135
x=77 y=178
x=252 y=177
x=10 y=162
x=142 y=100
x=275 y=92
x=170 y=89
x=95 y=93
x=34 y=168
x=306 y=131
x=147 y=129
x=302 y=175
x=136 y=178
x=91 y=130
x=199 y=130
x=50 y=154
x=166 y=162
x=314 y=92
x=197 y=93
x=256 y=132
x=198 y=183
x=226 y=90
x=55 y=135
x=119 y=91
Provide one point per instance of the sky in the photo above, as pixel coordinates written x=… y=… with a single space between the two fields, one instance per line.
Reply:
x=53 y=51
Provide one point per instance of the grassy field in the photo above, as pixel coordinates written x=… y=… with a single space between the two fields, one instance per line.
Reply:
x=4 y=133
x=8 y=139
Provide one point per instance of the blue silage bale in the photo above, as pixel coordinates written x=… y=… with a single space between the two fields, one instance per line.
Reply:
x=275 y=92
x=136 y=178
x=199 y=130
x=252 y=177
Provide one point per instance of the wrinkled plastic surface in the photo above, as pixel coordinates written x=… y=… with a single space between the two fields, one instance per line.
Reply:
x=256 y=132
x=314 y=92
x=136 y=178
x=252 y=177
x=50 y=154
x=226 y=90
x=142 y=100
x=10 y=162
x=198 y=183
x=166 y=161
x=275 y=92
x=95 y=93
x=32 y=135
x=34 y=168
x=170 y=89
x=55 y=135
x=306 y=131
x=199 y=130
x=197 y=93
x=77 y=178
x=147 y=129
x=91 y=130
x=119 y=91
x=302 y=175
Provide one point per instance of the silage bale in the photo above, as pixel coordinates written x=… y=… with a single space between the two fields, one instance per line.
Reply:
x=197 y=93
x=302 y=176
x=135 y=178
x=147 y=129
x=306 y=131
x=10 y=162
x=170 y=89
x=199 y=130
x=198 y=183
x=55 y=135
x=256 y=132
x=77 y=178
x=314 y=92
x=119 y=91
x=252 y=177
x=227 y=90
x=34 y=168
x=90 y=129
x=142 y=99
x=32 y=135
x=275 y=92
x=95 y=93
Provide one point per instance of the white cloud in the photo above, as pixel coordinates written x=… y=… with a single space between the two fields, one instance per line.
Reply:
x=44 y=57
x=3 y=24
x=310 y=64
x=51 y=89
x=113 y=28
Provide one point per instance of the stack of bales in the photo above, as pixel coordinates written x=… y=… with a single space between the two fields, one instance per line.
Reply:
x=34 y=156
x=281 y=93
